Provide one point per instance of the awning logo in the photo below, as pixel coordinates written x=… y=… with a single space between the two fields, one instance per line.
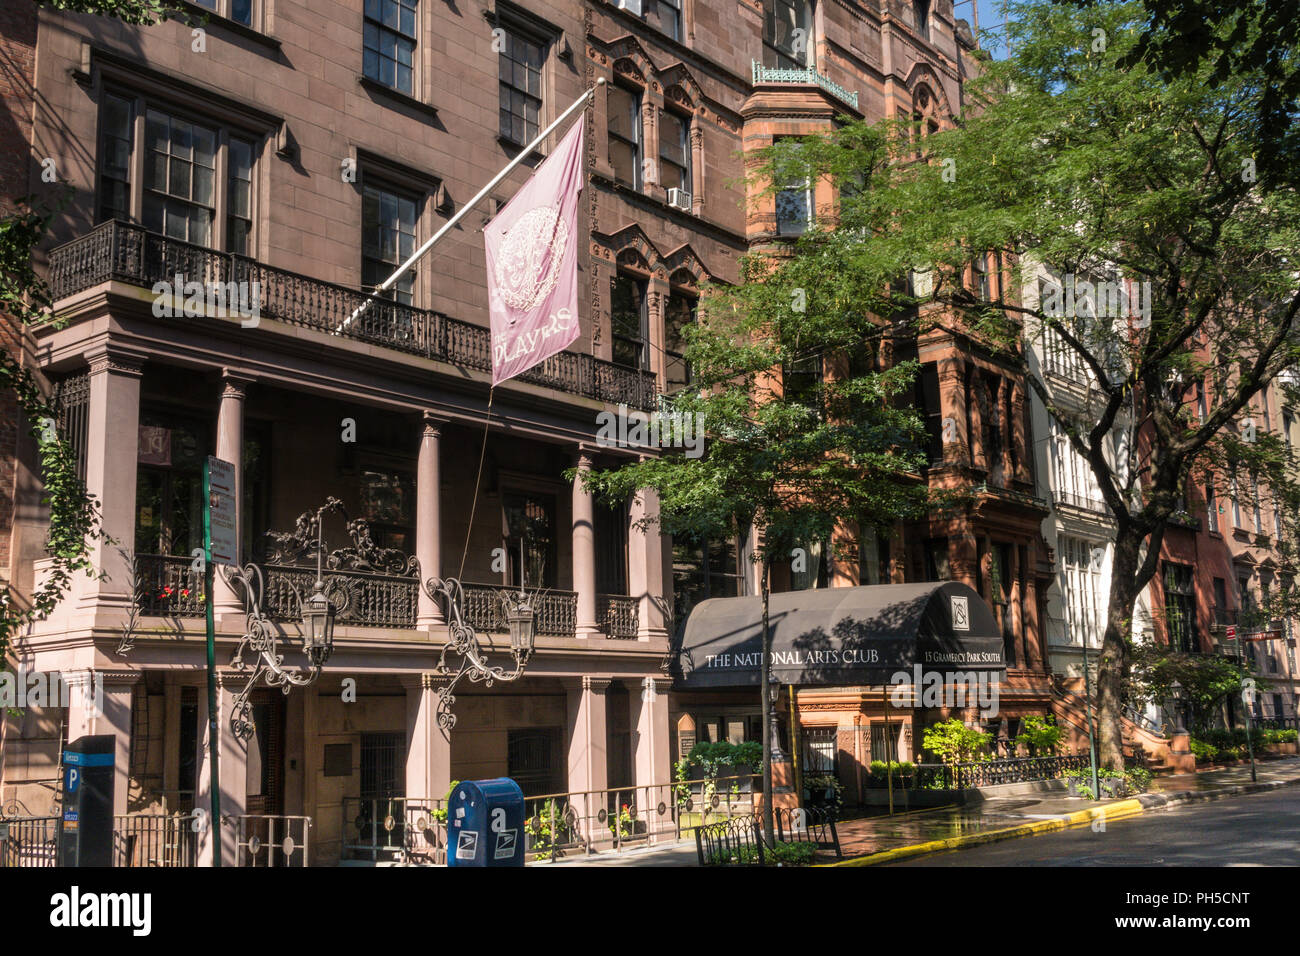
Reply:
x=960 y=613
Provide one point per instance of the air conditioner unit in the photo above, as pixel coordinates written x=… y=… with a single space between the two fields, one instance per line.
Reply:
x=631 y=6
x=679 y=198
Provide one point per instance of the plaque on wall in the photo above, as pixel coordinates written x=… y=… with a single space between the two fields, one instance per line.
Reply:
x=338 y=760
x=685 y=743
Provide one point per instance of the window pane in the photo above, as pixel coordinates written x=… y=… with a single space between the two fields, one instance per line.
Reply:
x=622 y=113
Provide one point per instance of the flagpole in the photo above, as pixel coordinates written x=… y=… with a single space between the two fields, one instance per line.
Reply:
x=450 y=223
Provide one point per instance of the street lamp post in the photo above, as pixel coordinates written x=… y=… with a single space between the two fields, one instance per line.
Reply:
x=1087 y=700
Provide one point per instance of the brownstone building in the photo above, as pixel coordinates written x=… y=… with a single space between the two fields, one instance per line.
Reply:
x=306 y=150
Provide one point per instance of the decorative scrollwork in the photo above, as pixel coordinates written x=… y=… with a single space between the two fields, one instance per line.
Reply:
x=300 y=546
x=463 y=642
x=262 y=642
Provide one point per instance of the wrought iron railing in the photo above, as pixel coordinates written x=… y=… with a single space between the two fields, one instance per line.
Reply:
x=377 y=600
x=617 y=615
x=771 y=74
x=154 y=840
x=555 y=612
x=27 y=841
x=128 y=253
x=269 y=840
x=988 y=773
x=375 y=828
x=740 y=841
x=1275 y=723
x=166 y=586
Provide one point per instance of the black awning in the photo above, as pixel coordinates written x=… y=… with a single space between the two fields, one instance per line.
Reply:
x=832 y=637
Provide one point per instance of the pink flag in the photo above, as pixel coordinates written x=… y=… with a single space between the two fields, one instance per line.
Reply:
x=532 y=264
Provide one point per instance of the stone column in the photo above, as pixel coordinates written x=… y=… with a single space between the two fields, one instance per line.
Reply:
x=230 y=447
x=584 y=551
x=646 y=566
x=952 y=404
x=428 y=518
x=651 y=761
x=588 y=736
x=232 y=755
x=99 y=702
x=697 y=168
x=112 y=442
x=977 y=400
x=657 y=292
x=428 y=745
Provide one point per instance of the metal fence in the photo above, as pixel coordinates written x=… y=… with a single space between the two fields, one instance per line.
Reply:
x=154 y=840
x=740 y=841
x=988 y=773
x=28 y=841
x=268 y=840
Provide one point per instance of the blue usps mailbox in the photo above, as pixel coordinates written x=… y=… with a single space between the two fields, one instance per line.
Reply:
x=485 y=824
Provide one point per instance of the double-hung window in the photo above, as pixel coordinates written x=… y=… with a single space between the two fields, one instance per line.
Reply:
x=624 y=107
x=388 y=223
x=674 y=151
x=679 y=314
x=161 y=168
x=520 y=72
x=241 y=11
x=787 y=34
x=389 y=37
x=667 y=14
x=628 y=318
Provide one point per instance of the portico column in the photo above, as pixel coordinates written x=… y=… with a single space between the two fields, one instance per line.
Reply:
x=112 y=447
x=649 y=723
x=584 y=551
x=587 y=759
x=99 y=702
x=232 y=754
x=646 y=565
x=428 y=745
x=428 y=519
x=230 y=447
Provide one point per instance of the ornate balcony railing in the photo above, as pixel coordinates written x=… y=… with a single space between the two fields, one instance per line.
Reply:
x=168 y=588
x=771 y=74
x=555 y=612
x=165 y=586
x=617 y=615
x=129 y=253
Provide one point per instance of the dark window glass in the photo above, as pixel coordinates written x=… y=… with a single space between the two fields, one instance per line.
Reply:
x=794 y=206
x=674 y=151
x=921 y=18
x=387 y=240
x=115 y=144
x=787 y=34
x=628 y=318
x=389 y=43
x=180 y=166
x=239 y=209
x=1180 y=610
x=928 y=400
x=679 y=315
x=668 y=15
x=625 y=135
x=803 y=380
x=520 y=71
x=530 y=539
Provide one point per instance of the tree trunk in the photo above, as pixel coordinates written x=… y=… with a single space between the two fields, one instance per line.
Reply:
x=769 y=719
x=1112 y=668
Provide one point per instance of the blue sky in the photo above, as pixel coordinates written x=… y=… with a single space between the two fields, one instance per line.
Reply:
x=990 y=18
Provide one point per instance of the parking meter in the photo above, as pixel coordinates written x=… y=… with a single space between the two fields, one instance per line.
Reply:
x=485 y=824
x=86 y=827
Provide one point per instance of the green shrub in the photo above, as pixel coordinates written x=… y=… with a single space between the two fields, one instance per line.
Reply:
x=1203 y=751
x=1139 y=779
x=953 y=742
x=784 y=854
x=1040 y=734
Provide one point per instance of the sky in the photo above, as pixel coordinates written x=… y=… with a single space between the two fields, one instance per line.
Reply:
x=990 y=18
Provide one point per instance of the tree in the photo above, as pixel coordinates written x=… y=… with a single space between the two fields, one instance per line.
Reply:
x=1120 y=174
x=799 y=464
x=1206 y=680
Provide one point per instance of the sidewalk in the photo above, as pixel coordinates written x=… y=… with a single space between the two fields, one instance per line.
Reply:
x=879 y=839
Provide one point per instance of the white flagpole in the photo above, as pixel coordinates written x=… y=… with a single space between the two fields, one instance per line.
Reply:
x=450 y=223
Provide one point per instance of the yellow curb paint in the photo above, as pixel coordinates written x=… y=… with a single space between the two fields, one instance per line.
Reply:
x=1112 y=811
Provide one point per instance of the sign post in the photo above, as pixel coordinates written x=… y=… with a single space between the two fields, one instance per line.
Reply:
x=220 y=538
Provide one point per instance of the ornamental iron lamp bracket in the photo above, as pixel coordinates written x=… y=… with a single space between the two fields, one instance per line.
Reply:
x=463 y=641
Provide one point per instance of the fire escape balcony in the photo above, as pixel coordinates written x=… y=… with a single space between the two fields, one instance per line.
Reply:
x=120 y=251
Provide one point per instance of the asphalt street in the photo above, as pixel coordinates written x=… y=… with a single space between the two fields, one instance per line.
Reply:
x=1260 y=829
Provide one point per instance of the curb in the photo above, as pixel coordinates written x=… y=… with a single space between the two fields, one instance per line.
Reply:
x=1119 y=810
